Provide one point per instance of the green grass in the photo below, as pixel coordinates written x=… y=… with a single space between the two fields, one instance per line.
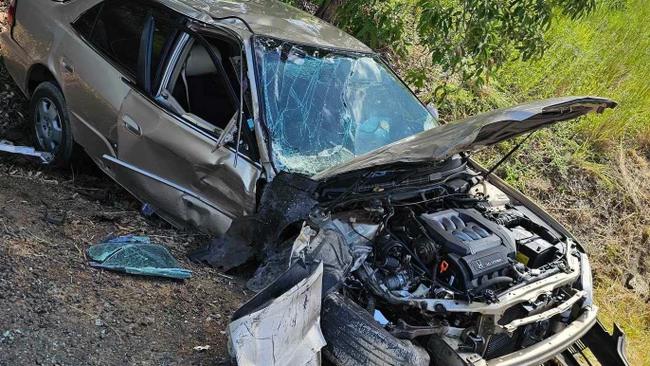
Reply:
x=605 y=54
x=576 y=166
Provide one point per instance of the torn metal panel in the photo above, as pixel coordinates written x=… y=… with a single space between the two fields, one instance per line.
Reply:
x=189 y=155
x=190 y=209
x=42 y=156
x=286 y=201
x=339 y=245
x=210 y=190
x=281 y=325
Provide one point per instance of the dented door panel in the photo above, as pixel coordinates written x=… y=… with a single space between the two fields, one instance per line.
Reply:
x=177 y=205
x=162 y=145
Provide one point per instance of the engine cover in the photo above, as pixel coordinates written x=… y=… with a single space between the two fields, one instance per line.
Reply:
x=475 y=244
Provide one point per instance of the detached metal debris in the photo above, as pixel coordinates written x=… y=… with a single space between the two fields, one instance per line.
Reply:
x=136 y=255
x=9 y=147
x=281 y=324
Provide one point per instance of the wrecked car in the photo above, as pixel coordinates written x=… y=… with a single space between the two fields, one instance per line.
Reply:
x=381 y=240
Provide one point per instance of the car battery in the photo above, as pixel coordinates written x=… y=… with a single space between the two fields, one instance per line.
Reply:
x=535 y=252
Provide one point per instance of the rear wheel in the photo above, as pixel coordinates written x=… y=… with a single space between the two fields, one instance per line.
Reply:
x=49 y=116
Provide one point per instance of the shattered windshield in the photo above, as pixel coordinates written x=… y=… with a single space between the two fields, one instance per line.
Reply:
x=324 y=107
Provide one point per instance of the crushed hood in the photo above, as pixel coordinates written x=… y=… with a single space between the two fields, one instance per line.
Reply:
x=474 y=133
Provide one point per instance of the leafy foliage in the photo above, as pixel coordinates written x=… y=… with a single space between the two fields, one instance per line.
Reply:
x=381 y=24
x=470 y=38
x=476 y=37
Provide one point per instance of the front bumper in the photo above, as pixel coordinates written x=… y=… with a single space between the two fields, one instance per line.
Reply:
x=609 y=349
x=551 y=346
x=586 y=332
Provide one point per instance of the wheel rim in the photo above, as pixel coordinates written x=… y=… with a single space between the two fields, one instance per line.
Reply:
x=49 y=125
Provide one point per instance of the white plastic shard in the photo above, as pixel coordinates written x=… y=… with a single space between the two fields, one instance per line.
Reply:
x=284 y=332
x=9 y=147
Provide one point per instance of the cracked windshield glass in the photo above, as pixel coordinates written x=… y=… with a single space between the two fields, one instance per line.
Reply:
x=324 y=107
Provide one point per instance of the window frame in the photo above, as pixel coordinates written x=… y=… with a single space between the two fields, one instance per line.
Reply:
x=169 y=62
x=129 y=76
x=171 y=74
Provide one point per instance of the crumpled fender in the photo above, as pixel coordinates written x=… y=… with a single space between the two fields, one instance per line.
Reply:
x=281 y=324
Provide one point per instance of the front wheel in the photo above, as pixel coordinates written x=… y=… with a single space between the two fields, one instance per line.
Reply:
x=49 y=116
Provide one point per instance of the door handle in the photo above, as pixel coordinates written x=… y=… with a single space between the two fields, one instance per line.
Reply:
x=68 y=68
x=131 y=125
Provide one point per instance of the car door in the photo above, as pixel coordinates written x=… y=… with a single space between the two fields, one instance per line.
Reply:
x=95 y=60
x=167 y=160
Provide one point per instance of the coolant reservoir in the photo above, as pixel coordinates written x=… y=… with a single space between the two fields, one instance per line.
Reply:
x=496 y=198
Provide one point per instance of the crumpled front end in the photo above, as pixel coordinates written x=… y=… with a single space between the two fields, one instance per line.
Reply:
x=433 y=261
x=439 y=264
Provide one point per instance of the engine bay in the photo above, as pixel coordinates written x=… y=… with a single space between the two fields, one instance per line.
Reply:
x=449 y=253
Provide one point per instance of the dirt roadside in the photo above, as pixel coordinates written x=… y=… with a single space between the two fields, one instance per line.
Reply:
x=57 y=310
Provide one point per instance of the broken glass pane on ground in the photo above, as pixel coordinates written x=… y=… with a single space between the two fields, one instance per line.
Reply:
x=136 y=255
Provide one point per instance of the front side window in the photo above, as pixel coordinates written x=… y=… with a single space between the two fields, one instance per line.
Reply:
x=115 y=27
x=204 y=89
x=323 y=108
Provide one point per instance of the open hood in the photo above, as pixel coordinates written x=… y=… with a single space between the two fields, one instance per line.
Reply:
x=474 y=133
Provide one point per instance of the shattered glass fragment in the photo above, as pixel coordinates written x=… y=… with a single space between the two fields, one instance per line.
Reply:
x=324 y=108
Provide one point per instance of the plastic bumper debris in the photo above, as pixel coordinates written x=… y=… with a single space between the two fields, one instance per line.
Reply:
x=136 y=255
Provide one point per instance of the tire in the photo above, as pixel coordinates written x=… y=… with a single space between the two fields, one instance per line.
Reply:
x=355 y=338
x=51 y=124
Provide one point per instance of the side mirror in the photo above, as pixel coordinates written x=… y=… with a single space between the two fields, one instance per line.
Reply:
x=433 y=110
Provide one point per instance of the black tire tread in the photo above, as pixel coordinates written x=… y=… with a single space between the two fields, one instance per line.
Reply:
x=355 y=338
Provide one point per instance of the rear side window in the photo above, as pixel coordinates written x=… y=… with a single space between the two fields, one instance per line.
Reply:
x=84 y=25
x=115 y=27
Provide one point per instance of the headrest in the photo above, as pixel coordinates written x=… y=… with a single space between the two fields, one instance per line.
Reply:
x=199 y=61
